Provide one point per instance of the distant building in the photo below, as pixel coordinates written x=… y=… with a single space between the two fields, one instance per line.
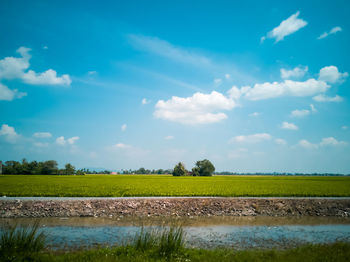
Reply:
x=114 y=173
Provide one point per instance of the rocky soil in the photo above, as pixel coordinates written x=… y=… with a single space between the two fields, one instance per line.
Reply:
x=174 y=207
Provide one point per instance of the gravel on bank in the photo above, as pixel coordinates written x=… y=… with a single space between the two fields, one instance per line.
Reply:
x=175 y=207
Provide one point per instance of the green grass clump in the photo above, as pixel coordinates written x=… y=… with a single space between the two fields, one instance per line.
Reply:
x=165 y=185
x=163 y=243
x=21 y=244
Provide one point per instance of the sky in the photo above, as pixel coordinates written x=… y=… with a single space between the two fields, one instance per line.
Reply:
x=253 y=86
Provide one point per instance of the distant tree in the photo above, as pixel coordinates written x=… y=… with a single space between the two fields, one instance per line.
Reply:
x=195 y=171
x=49 y=167
x=80 y=172
x=25 y=168
x=69 y=169
x=179 y=170
x=34 y=168
x=204 y=168
x=12 y=167
x=141 y=171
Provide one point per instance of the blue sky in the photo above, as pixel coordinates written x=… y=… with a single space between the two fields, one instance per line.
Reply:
x=253 y=87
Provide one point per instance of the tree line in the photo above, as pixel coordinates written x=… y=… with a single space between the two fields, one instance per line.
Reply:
x=49 y=167
x=140 y=171
x=90 y=172
x=228 y=173
x=144 y=171
x=201 y=168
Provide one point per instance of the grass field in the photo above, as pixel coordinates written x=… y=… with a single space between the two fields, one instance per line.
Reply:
x=333 y=252
x=163 y=185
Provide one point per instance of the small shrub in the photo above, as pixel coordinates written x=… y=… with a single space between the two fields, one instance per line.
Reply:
x=171 y=241
x=166 y=242
x=21 y=244
x=145 y=240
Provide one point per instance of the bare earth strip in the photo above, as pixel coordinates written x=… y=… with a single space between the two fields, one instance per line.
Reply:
x=173 y=207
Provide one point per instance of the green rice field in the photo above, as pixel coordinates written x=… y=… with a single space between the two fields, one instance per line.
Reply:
x=166 y=185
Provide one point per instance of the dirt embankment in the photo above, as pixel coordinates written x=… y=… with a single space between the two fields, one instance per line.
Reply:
x=175 y=207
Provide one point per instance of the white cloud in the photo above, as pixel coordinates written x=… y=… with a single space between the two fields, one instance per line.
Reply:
x=217 y=81
x=306 y=144
x=169 y=137
x=331 y=141
x=197 y=109
x=313 y=109
x=297 y=72
x=227 y=76
x=290 y=126
x=16 y=68
x=331 y=32
x=344 y=127
x=13 y=67
x=300 y=113
x=255 y=114
x=327 y=141
x=163 y=48
x=324 y=98
x=325 y=34
x=129 y=151
x=69 y=141
x=190 y=57
x=42 y=135
x=60 y=140
x=40 y=144
x=332 y=75
x=251 y=139
x=8 y=94
x=280 y=141
x=122 y=146
x=49 y=77
x=310 y=87
x=235 y=93
x=123 y=127
x=145 y=101
x=289 y=26
x=303 y=112
x=335 y=30
x=9 y=133
x=287 y=88
x=91 y=73
x=72 y=140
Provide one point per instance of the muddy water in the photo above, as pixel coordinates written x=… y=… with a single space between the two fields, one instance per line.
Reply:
x=207 y=232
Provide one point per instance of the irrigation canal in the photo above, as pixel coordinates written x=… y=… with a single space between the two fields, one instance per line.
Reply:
x=236 y=232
